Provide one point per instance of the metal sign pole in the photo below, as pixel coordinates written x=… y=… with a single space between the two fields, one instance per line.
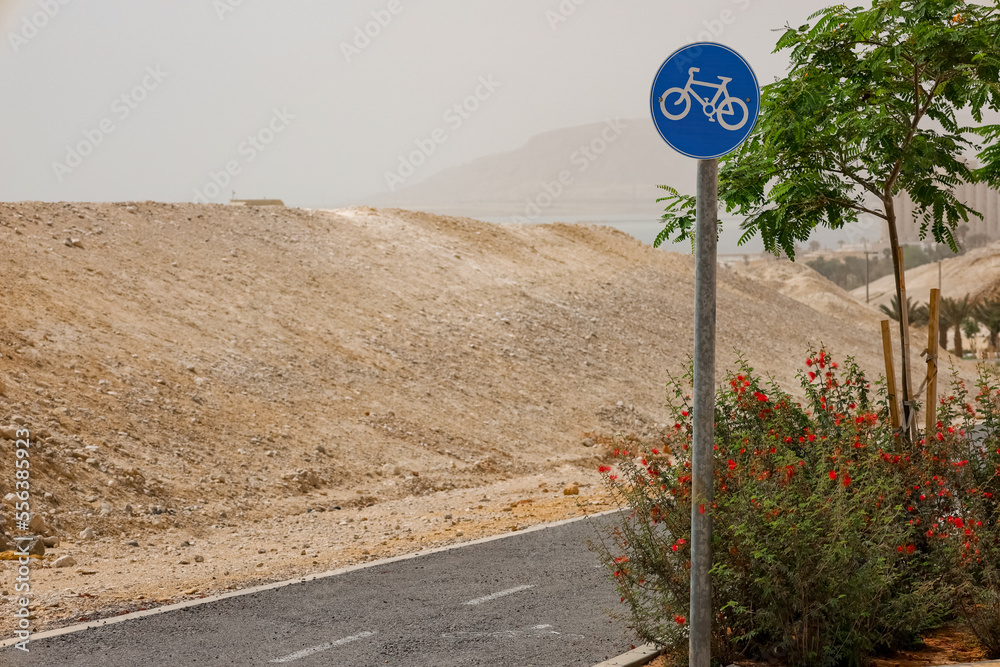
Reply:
x=721 y=124
x=702 y=477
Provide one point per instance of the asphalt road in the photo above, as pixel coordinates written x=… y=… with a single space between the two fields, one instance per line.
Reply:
x=534 y=598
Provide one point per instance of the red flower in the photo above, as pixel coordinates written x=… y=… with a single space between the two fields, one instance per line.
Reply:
x=809 y=362
x=833 y=474
x=604 y=469
x=910 y=548
x=732 y=464
x=680 y=620
x=847 y=480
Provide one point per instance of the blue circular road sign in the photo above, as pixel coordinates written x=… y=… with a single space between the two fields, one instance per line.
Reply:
x=705 y=100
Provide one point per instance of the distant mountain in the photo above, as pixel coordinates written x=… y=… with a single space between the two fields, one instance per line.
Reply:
x=602 y=168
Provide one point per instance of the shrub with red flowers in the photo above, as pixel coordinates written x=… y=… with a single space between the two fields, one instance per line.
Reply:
x=954 y=499
x=833 y=541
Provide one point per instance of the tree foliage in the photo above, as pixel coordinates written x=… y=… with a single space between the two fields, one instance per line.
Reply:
x=954 y=313
x=988 y=313
x=871 y=107
x=919 y=313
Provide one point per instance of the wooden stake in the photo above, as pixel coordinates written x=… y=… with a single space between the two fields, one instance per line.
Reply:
x=932 y=367
x=890 y=373
x=907 y=376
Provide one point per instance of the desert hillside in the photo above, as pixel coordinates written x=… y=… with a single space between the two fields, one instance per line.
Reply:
x=221 y=373
x=802 y=283
x=235 y=355
x=975 y=274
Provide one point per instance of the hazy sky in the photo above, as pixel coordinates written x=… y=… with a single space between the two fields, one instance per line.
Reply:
x=132 y=100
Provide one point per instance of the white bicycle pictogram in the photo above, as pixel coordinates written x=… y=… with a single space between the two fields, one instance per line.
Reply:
x=714 y=107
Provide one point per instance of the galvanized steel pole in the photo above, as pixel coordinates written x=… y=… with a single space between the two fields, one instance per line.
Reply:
x=702 y=477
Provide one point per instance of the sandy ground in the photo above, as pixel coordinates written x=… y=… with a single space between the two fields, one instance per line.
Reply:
x=177 y=563
x=208 y=374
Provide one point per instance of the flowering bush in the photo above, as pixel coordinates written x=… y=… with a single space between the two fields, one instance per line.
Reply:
x=955 y=500
x=832 y=541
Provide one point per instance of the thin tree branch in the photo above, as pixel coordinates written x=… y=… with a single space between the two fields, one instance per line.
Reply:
x=854 y=177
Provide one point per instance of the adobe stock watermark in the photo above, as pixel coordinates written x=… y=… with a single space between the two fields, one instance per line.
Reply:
x=858 y=232
x=714 y=29
x=455 y=116
x=581 y=158
x=22 y=515
x=562 y=12
x=249 y=149
x=363 y=35
x=225 y=7
x=121 y=109
x=35 y=22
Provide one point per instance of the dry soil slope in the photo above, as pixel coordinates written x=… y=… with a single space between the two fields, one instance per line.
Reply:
x=221 y=358
x=975 y=274
x=802 y=283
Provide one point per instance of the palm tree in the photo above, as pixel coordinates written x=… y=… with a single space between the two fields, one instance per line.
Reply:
x=954 y=312
x=919 y=315
x=971 y=329
x=988 y=313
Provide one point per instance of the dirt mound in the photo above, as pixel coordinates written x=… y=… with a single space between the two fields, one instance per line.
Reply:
x=236 y=355
x=804 y=284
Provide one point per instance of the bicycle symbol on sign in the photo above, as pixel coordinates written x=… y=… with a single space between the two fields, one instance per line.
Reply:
x=714 y=107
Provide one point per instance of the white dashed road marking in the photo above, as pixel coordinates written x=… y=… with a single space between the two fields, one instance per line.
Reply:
x=494 y=596
x=535 y=631
x=304 y=653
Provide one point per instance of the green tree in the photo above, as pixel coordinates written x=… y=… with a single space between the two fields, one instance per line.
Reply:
x=919 y=314
x=954 y=313
x=970 y=327
x=988 y=313
x=868 y=109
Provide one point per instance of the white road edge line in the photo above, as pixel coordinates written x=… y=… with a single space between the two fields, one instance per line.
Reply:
x=79 y=627
x=306 y=652
x=638 y=656
x=494 y=596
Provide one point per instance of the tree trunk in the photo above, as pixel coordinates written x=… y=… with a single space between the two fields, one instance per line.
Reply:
x=943 y=337
x=958 y=341
x=904 y=323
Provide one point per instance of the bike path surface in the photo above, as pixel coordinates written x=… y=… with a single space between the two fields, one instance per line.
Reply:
x=535 y=598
